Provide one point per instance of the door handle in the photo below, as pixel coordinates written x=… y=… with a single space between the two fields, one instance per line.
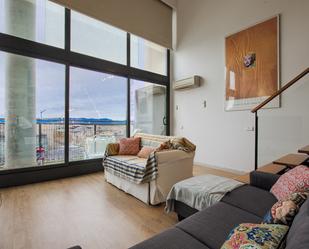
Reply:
x=164 y=120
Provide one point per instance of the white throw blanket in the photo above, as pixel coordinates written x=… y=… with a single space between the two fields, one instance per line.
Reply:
x=200 y=192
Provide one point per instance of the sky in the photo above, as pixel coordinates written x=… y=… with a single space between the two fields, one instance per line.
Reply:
x=92 y=94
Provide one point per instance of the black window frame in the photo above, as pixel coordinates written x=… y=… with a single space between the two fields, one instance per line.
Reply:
x=36 y=50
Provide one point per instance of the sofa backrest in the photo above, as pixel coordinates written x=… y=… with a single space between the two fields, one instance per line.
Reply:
x=152 y=140
x=298 y=236
x=178 y=143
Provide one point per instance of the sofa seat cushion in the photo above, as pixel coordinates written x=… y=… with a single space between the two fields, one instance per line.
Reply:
x=130 y=160
x=298 y=236
x=212 y=225
x=251 y=199
x=172 y=238
x=132 y=168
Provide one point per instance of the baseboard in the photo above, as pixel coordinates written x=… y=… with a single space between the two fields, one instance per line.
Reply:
x=234 y=171
x=22 y=178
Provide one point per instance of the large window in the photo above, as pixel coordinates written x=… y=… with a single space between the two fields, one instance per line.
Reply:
x=31 y=111
x=97 y=39
x=37 y=20
x=98 y=112
x=148 y=56
x=61 y=104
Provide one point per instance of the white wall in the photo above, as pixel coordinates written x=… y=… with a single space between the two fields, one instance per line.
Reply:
x=221 y=137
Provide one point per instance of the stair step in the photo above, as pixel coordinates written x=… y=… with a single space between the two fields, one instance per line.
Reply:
x=304 y=150
x=292 y=160
x=272 y=168
x=243 y=178
x=268 y=168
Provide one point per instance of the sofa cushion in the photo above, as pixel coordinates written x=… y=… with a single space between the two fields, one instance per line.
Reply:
x=130 y=160
x=131 y=168
x=212 y=225
x=294 y=180
x=283 y=212
x=146 y=151
x=150 y=143
x=152 y=140
x=261 y=236
x=251 y=199
x=172 y=238
x=129 y=146
x=298 y=234
x=112 y=149
x=263 y=180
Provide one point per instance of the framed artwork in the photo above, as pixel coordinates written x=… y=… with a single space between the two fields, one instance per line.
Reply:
x=252 y=66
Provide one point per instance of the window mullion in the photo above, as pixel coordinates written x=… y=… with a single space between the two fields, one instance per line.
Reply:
x=128 y=85
x=67 y=86
x=67 y=30
x=168 y=85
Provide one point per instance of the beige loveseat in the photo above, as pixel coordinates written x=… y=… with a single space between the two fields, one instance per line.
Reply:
x=173 y=165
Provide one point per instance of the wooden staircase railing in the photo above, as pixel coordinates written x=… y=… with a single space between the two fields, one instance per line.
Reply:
x=265 y=102
x=281 y=90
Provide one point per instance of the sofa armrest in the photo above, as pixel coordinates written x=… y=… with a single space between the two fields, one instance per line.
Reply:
x=263 y=180
x=172 y=155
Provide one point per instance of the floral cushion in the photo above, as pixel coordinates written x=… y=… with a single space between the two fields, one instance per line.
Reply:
x=129 y=146
x=283 y=212
x=256 y=236
x=295 y=180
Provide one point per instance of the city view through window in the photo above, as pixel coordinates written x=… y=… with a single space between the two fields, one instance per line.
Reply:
x=32 y=91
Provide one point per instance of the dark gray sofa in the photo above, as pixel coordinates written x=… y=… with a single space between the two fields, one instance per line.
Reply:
x=209 y=228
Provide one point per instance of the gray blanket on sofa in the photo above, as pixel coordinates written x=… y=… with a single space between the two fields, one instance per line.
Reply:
x=200 y=192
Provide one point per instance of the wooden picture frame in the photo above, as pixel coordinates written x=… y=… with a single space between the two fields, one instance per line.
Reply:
x=252 y=59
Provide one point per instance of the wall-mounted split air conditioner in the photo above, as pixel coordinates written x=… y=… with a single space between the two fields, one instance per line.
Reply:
x=187 y=83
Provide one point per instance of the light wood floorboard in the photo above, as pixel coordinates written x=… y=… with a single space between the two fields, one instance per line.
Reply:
x=83 y=211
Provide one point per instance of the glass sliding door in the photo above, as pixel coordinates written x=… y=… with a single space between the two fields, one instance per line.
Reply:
x=31 y=112
x=148 y=108
x=98 y=112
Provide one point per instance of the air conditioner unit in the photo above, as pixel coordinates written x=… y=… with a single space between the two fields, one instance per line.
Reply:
x=187 y=83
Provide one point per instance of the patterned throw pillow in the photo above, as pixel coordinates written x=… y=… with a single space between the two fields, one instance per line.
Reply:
x=295 y=180
x=283 y=212
x=112 y=149
x=129 y=146
x=183 y=144
x=164 y=146
x=146 y=151
x=256 y=236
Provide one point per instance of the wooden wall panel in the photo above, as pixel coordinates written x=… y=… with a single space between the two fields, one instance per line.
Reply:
x=261 y=78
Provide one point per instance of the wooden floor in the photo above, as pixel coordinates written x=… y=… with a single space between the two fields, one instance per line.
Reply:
x=83 y=211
